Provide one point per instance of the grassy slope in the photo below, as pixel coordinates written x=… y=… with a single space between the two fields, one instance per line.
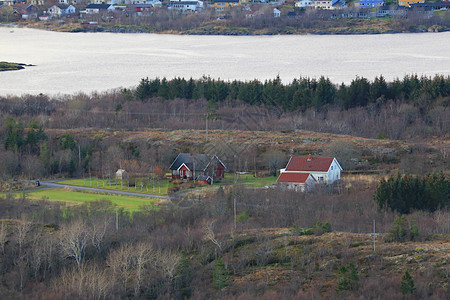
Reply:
x=276 y=259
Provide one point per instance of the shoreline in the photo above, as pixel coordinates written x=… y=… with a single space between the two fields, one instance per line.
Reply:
x=11 y=66
x=214 y=30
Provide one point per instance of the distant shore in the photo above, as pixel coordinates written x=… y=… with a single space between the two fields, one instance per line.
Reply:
x=8 y=66
x=379 y=26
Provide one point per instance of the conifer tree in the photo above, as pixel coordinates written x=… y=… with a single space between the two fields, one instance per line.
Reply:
x=407 y=284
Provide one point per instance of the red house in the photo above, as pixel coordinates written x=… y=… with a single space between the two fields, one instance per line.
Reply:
x=322 y=169
x=198 y=166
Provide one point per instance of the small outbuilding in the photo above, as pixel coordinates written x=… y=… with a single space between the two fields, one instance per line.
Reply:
x=121 y=174
x=299 y=182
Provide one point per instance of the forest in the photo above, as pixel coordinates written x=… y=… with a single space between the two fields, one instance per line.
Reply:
x=232 y=241
x=57 y=136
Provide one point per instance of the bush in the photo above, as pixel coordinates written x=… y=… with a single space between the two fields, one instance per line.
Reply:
x=347 y=278
x=403 y=230
x=242 y=217
x=220 y=274
x=321 y=228
x=407 y=284
x=318 y=229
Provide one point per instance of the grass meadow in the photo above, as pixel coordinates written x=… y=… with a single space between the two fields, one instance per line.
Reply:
x=157 y=187
x=129 y=203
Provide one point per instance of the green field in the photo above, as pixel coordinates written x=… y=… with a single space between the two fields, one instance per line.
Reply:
x=249 y=180
x=129 y=203
x=157 y=187
x=161 y=187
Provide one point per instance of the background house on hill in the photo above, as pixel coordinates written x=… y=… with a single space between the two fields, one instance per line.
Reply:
x=371 y=3
x=221 y=5
x=322 y=169
x=61 y=10
x=192 y=166
x=186 y=5
x=93 y=9
x=26 y=11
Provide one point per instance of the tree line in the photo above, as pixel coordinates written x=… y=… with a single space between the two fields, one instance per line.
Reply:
x=302 y=93
x=404 y=193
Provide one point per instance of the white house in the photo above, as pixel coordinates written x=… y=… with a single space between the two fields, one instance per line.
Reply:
x=57 y=11
x=322 y=169
x=121 y=174
x=92 y=9
x=152 y=2
x=186 y=5
x=276 y=13
x=304 y=3
x=298 y=182
x=324 y=4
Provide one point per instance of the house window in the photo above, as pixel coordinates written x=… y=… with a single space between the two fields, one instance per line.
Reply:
x=320 y=178
x=331 y=167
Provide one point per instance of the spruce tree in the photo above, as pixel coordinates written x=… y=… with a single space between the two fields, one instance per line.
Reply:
x=407 y=284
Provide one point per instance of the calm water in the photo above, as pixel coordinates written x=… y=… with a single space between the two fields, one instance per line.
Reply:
x=71 y=62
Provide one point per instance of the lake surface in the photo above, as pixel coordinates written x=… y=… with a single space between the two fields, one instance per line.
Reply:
x=72 y=62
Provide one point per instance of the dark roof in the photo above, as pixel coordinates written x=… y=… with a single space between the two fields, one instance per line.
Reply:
x=227 y=1
x=200 y=161
x=438 y=5
x=172 y=2
x=293 y=177
x=98 y=6
x=309 y=163
x=143 y=5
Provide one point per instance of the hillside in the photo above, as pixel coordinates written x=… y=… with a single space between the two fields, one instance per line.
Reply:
x=282 y=264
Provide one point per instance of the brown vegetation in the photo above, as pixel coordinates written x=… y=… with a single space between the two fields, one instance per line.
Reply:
x=176 y=251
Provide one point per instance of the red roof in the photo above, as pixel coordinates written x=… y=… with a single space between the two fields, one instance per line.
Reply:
x=293 y=177
x=309 y=163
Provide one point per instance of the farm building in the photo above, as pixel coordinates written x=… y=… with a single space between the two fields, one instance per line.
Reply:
x=121 y=174
x=192 y=166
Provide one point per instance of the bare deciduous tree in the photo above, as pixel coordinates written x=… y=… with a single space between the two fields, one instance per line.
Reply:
x=167 y=261
x=210 y=235
x=142 y=255
x=87 y=282
x=73 y=239
x=22 y=230
x=37 y=255
x=275 y=160
x=98 y=232
x=3 y=237
x=120 y=262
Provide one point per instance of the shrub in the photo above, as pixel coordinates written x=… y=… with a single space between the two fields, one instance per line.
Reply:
x=220 y=274
x=407 y=284
x=321 y=228
x=347 y=278
x=403 y=230
x=242 y=217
